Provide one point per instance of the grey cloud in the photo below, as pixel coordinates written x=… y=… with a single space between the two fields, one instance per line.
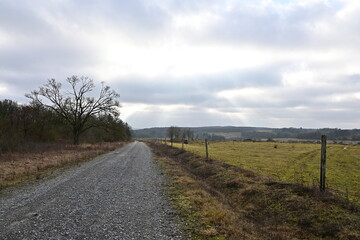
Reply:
x=316 y=97
x=184 y=118
x=17 y=18
x=269 y=27
x=293 y=26
x=44 y=58
x=195 y=90
x=202 y=91
x=185 y=6
x=35 y=43
x=37 y=49
x=161 y=92
x=139 y=19
x=353 y=79
x=259 y=77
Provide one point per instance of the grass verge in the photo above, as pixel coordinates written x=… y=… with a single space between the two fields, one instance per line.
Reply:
x=222 y=201
x=16 y=168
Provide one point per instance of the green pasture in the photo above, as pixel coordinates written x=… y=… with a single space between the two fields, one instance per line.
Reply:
x=291 y=162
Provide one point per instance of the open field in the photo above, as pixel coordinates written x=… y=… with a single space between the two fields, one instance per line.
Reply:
x=290 y=162
x=17 y=167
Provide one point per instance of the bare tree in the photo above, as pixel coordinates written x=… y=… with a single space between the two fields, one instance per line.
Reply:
x=76 y=107
x=173 y=132
x=188 y=133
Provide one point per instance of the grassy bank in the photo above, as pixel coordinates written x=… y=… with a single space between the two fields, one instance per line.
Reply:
x=291 y=162
x=44 y=158
x=223 y=201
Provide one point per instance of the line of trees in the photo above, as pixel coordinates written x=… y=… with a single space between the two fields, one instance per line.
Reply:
x=175 y=132
x=55 y=115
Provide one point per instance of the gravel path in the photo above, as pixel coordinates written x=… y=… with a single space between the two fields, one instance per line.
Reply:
x=116 y=196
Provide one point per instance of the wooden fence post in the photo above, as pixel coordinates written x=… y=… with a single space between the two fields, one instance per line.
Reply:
x=207 y=149
x=323 y=163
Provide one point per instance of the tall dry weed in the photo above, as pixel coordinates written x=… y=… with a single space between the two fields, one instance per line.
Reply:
x=16 y=166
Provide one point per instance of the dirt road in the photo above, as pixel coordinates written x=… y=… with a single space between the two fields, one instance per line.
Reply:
x=116 y=196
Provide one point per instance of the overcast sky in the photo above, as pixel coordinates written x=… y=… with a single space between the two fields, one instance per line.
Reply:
x=270 y=63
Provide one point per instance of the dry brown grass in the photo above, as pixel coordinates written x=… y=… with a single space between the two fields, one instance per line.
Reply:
x=205 y=216
x=224 y=201
x=16 y=167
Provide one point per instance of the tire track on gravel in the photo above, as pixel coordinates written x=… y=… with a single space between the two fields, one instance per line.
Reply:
x=116 y=196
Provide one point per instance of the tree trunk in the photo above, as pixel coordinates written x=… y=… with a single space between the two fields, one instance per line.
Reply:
x=76 y=133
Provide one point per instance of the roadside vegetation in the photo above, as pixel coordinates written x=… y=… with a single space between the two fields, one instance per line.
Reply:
x=290 y=162
x=61 y=126
x=223 y=201
x=43 y=159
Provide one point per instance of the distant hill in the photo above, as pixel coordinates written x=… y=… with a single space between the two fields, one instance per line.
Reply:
x=256 y=133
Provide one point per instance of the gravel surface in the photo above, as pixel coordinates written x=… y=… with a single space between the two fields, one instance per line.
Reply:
x=116 y=196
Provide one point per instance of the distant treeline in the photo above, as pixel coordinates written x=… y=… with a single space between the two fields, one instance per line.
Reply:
x=256 y=133
x=311 y=134
x=21 y=124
